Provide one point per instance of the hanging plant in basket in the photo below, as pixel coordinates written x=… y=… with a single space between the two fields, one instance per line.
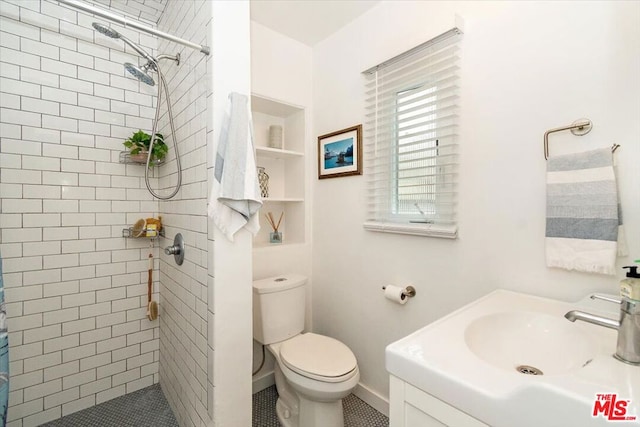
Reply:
x=138 y=145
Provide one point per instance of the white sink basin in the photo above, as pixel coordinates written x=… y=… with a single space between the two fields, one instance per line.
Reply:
x=468 y=359
x=516 y=340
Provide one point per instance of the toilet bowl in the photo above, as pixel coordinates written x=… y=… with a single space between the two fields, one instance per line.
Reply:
x=313 y=372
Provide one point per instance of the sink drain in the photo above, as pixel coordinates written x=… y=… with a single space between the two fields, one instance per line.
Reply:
x=528 y=370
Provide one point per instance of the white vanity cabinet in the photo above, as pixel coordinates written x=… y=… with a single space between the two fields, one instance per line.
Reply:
x=412 y=407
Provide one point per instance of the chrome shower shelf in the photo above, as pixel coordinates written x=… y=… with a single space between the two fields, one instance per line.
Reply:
x=133 y=233
x=127 y=158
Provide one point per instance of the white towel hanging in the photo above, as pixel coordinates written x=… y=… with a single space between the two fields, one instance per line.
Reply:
x=235 y=195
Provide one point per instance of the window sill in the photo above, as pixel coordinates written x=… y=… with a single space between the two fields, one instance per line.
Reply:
x=424 y=230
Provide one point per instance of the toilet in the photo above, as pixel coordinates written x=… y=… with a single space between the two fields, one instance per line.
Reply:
x=313 y=372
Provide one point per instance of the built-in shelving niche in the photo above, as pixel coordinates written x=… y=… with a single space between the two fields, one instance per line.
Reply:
x=285 y=167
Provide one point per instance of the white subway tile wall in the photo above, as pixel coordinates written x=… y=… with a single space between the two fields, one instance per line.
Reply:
x=184 y=347
x=75 y=289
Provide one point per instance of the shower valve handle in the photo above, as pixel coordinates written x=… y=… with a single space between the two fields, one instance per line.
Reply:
x=177 y=249
x=172 y=250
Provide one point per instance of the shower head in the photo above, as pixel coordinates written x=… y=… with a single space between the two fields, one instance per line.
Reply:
x=110 y=32
x=107 y=31
x=140 y=73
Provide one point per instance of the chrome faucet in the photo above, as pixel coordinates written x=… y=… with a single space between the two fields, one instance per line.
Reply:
x=628 y=327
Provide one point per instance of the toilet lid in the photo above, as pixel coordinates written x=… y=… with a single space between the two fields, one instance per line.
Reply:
x=315 y=355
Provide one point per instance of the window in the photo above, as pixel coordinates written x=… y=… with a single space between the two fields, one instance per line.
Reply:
x=411 y=140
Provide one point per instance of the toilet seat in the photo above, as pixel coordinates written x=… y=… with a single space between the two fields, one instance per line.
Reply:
x=318 y=357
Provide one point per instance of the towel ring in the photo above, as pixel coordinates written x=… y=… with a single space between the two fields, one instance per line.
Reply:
x=579 y=127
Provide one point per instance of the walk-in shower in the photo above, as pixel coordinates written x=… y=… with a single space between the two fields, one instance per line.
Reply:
x=142 y=74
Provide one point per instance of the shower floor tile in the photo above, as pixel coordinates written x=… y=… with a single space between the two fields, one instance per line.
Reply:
x=356 y=412
x=143 y=408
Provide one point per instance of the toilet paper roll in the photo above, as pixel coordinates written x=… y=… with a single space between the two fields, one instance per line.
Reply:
x=395 y=294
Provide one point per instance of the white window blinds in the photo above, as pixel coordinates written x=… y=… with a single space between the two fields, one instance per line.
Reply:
x=411 y=144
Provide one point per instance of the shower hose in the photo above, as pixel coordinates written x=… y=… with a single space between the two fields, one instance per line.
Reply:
x=153 y=137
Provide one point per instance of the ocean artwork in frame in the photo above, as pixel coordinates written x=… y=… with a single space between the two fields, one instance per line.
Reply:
x=340 y=153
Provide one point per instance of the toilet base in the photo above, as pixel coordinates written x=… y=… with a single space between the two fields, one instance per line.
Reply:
x=321 y=414
x=285 y=416
x=294 y=410
x=312 y=414
x=287 y=406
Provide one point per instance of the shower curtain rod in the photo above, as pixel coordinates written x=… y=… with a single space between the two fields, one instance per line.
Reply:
x=133 y=24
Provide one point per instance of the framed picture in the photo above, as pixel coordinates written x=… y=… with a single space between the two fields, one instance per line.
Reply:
x=340 y=153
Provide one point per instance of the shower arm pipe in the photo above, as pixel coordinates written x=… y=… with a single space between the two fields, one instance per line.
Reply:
x=138 y=49
x=132 y=24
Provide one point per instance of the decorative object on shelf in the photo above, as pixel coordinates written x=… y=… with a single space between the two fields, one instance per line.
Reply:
x=275 y=136
x=340 y=153
x=263 y=180
x=138 y=145
x=275 y=236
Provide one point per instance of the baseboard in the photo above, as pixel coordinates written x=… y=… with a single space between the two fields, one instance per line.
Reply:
x=372 y=398
x=262 y=381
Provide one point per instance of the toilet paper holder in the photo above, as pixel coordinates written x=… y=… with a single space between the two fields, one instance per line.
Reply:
x=409 y=291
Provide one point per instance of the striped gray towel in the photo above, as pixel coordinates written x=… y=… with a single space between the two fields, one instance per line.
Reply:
x=582 y=212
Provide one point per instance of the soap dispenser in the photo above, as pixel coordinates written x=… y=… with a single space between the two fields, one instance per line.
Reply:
x=628 y=347
x=630 y=287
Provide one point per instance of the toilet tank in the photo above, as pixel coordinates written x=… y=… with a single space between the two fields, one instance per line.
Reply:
x=278 y=307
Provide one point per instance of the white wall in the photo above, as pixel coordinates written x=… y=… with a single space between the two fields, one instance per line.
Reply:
x=184 y=320
x=280 y=66
x=75 y=289
x=229 y=263
x=526 y=67
x=281 y=70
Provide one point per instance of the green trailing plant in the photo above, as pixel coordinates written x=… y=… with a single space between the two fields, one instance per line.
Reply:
x=139 y=142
